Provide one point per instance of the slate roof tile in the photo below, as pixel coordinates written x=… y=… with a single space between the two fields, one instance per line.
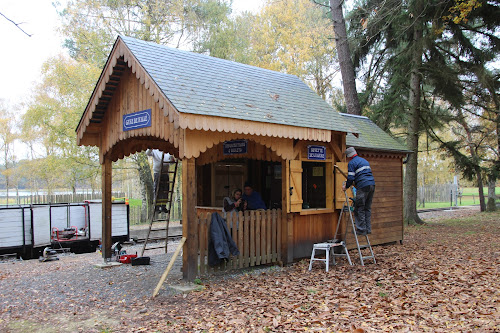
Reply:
x=371 y=136
x=199 y=84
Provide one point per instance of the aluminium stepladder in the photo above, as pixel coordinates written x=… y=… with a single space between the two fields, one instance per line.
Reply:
x=163 y=196
x=346 y=207
x=330 y=246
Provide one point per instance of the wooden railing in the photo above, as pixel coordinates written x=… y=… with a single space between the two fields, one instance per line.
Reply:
x=257 y=235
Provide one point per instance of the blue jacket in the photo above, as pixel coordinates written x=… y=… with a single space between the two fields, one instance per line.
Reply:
x=359 y=172
x=254 y=201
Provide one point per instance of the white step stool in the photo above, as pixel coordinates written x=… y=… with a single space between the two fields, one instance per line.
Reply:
x=327 y=247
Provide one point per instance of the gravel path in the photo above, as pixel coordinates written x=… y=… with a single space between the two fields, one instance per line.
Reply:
x=72 y=286
x=449 y=214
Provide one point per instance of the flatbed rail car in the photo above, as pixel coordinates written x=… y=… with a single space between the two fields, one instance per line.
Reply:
x=25 y=230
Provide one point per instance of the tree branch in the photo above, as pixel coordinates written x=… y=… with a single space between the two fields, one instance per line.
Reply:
x=16 y=24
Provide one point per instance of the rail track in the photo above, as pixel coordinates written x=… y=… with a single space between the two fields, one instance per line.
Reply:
x=170 y=238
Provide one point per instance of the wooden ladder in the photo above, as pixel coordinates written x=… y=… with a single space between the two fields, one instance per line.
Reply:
x=164 y=193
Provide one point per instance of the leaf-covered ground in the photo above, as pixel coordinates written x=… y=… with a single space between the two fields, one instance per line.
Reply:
x=444 y=278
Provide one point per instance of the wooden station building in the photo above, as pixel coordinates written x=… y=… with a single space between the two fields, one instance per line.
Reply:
x=228 y=123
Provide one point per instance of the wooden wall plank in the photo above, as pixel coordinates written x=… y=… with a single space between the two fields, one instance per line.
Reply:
x=240 y=239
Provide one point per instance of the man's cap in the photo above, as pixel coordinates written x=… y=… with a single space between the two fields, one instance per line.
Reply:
x=247 y=184
x=350 y=152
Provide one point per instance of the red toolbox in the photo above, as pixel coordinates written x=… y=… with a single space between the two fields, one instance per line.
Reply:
x=127 y=258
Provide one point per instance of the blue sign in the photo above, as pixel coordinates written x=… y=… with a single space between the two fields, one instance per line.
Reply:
x=317 y=153
x=235 y=147
x=137 y=120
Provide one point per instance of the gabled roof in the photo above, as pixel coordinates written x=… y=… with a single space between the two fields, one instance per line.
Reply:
x=371 y=136
x=203 y=85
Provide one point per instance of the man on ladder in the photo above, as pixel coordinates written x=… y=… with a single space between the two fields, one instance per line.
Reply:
x=157 y=166
x=360 y=173
x=162 y=197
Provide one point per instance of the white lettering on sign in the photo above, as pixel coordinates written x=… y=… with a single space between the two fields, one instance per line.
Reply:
x=316 y=153
x=136 y=120
x=235 y=147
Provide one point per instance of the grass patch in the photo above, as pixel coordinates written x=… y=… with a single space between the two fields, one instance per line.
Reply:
x=475 y=191
x=134 y=202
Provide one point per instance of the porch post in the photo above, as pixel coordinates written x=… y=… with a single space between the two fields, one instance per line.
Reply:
x=189 y=220
x=286 y=218
x=106 y=207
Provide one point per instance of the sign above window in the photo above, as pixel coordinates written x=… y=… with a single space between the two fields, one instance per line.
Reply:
x=137 y=120
x=235 y=147
x=317 y=153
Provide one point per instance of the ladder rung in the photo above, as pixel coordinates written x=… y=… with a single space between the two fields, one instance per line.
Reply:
x=150 y=239
x=154 y=248
x=364 y=247
x=158 y=229
x=368 y=257
x=161 y=220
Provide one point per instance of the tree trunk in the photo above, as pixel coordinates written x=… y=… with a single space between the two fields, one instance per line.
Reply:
x=344 y=54
x=410 y=182
x=491 y=205
x=480 y=187
x=146 y=181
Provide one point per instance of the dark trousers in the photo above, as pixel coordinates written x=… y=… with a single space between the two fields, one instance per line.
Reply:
x=363 y=209
x=163 y=188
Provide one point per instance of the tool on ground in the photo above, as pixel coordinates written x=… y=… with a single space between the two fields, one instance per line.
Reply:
x=162 y=203
x=48 y=255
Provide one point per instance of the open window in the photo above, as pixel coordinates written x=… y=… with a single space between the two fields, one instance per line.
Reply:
x=313 y=185
x=311 y=181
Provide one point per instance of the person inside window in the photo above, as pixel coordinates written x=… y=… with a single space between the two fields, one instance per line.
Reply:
x=235 y=203
x=253 y=198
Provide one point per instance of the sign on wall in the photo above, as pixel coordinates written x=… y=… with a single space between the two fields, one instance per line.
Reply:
x=137 y=120
x=317 y=153
x=235 y=147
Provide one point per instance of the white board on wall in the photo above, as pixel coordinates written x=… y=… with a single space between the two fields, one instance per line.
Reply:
x=59 y=217
x=11 y=227
x=41 y=225
x=119 y=220
x=78 y=216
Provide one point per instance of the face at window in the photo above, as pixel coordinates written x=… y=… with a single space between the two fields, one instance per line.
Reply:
x=237 y=195
x=248 y=190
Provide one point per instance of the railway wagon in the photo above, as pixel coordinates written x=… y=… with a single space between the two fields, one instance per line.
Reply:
x=25 y=230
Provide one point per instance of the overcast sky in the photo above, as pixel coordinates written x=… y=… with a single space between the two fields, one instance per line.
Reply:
x=23 y=56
